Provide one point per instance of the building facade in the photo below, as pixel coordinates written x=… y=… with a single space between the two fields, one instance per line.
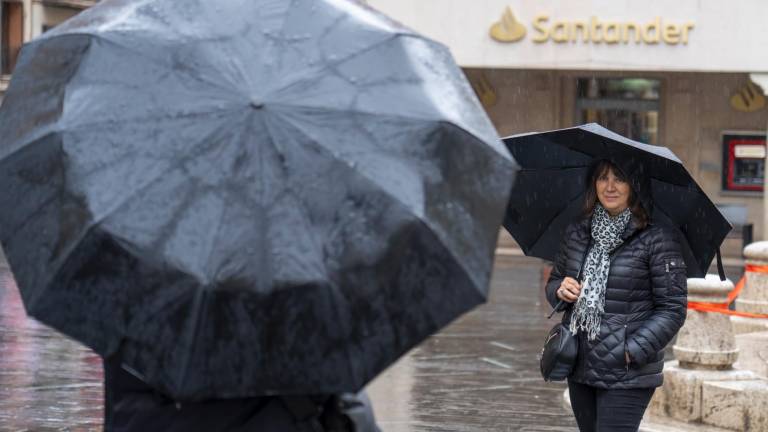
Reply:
x=685 y=74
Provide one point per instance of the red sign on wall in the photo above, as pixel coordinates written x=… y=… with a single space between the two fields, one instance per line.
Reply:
x=743 y=161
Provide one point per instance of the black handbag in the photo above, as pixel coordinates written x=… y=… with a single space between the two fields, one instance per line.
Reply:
x=558 y=357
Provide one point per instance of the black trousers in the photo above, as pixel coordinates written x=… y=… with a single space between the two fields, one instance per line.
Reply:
x=601 y=410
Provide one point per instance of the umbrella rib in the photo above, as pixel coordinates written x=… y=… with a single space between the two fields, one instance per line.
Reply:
x=330 y=153
x=214 y=236
x=501 y=150
x=347 y=354
x=134 y=154
x=152 y=117
x=299 y=79
x=29 y=137
x=335 y=63
x=352 y=112
x=380 y=116
x=302 y=205
x=117 y=206
x=179 y=71
x=421 y=220
x=325 y=32
x=181 y=161
x=193 y=329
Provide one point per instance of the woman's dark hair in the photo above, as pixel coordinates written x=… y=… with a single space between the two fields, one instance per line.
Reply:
x=597 y=170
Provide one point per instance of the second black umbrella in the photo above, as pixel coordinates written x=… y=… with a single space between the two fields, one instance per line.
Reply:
x=549 y=191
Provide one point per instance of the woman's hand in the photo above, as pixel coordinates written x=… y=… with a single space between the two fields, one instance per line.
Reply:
x=569 y=290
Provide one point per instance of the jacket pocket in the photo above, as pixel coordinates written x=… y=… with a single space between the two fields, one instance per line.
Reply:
x=626 y=349
x=676 y=277
x=606 y=357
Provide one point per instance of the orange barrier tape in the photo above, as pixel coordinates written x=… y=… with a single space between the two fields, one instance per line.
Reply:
x=723 y=307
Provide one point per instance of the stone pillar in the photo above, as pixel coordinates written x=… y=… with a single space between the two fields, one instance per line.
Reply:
x=705 y=351
x=701 y=388
x=752 y=333
x=706 y=340
x=754 y=296
x=753 y=352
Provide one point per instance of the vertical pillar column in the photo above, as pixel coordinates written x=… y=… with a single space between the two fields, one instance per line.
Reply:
x=754 y=296
x=706 y=341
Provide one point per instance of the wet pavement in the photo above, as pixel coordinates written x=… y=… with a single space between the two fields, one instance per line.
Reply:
x=478 y=374
x=47 y=382
x=481 y=373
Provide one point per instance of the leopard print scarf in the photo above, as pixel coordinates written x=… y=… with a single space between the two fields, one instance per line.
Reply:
x=606 y=236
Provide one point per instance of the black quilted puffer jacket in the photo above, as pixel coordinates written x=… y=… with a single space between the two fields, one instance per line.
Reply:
x=645 y=305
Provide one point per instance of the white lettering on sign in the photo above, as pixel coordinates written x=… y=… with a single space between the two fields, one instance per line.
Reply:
x=749 y=151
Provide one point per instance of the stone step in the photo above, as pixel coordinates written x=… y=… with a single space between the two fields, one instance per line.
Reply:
x=725 y=406
x=657 y=424
x=680 y=398
x=748 y=325
x=736 y=405
x=753 y=352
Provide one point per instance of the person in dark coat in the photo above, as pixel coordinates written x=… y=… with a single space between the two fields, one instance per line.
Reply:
x=131 y=405
x=628 y=306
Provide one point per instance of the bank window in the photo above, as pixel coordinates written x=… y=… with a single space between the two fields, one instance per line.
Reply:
x=628 y=106
x=743 y=161
x=11 y=34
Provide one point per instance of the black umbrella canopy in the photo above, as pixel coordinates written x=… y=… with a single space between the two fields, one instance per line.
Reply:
x=247 y=197
x=548 y=193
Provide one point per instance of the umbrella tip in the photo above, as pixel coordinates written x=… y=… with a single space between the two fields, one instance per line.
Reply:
x=257 y=104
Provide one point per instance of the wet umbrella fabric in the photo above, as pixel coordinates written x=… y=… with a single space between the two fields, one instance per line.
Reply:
x=549 y=190
x=247 y=197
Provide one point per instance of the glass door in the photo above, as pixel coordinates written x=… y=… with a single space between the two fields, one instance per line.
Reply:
x=627 y=106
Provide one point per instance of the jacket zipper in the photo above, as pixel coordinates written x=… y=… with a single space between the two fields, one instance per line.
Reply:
x=626 y=347
x=610 y=259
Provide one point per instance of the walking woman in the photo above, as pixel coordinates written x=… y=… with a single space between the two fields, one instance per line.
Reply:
x=628 y=306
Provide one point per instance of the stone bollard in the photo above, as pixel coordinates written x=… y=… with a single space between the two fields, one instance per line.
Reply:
x=706 y=341
x=705 y=351
x=701 y=388
x=754 y=296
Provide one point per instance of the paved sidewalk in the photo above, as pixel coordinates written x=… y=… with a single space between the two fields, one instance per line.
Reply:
x=480 y=374
x=47 y=382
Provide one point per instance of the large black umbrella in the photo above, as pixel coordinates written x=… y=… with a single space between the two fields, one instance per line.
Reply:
x=247 y=197
x=548 y=193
